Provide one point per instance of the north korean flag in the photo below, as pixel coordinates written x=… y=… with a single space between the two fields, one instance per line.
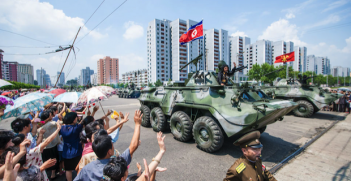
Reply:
x=194 y=32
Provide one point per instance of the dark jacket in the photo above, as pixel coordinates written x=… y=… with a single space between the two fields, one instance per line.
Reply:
x=343 y=99
x=223 y=76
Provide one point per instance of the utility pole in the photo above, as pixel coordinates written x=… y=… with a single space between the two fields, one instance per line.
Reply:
x=68 y=55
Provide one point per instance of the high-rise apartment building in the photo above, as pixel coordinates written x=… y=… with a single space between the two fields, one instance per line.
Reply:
x=318 y=65
x=108 y=70
x=236 y=54
x=26 y=72
x=281 y=48
x=1 y=62
x=216 y=48
x=165 y=54
x=138 y=77
x=61 y=80
x=10 y=71
x=43 y=78
x=93 y=79
x=300 y=59
x=259 y=52
x=85 y=76
x=340 y=71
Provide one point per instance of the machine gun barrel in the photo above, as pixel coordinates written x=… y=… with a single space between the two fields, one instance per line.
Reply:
x=240 y=68
x=274 y=71
x=195 y=60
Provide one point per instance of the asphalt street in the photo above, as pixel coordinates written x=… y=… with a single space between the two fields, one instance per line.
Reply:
x=184 y=161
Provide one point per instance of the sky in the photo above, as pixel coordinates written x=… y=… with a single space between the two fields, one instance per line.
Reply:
x=324 y=27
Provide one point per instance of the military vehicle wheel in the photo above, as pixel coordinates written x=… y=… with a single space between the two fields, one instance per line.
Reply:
x=157 y=119
x=207 y=134
x=145 y=120
x=304 y=109
x=261 y=130
x=181 y=126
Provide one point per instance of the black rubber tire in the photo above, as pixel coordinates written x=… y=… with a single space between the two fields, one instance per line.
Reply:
x=184 y=131
x=261 y=130
x=308 y=106
x=157 y=119
x=145 y=120
x=215 y=135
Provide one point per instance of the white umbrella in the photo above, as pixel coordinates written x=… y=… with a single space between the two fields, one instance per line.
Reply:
x=4 y=82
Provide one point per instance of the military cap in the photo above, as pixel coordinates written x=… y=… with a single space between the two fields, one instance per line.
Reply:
x=249 y=140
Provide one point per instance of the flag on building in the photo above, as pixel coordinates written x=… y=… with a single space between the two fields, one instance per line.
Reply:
x=194 y=32
x=289 y=57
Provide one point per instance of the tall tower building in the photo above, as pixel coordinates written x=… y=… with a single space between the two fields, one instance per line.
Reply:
x=259 y=52
x=300 y=59
x=236 y=54
x=216 y=48
x=108 y=70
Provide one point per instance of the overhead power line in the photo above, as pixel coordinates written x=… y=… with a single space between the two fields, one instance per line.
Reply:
x=93 y=13
x=26 y=36
x=29 y=46
x=102 y=20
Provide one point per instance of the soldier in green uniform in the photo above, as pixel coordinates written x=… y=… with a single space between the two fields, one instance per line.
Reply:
x=249 y=166
x=225 y=73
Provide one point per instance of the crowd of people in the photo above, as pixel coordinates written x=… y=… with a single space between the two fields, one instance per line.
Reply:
x=56 y=140
x=342 y=104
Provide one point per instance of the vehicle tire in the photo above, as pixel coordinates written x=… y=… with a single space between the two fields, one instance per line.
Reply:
x=157 y=119
x=207 y=134
x=181 y=126
x=145 y=120
x=304 y=109
x=261 y=130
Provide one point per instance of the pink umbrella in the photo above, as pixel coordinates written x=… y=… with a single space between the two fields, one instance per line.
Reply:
x=108 y=91
x=57 y=92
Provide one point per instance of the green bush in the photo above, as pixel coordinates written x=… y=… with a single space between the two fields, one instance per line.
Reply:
x=19 y=85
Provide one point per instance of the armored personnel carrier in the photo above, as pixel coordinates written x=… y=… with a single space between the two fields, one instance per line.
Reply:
x=310 y=98
x=130 y=92
x=208 y=112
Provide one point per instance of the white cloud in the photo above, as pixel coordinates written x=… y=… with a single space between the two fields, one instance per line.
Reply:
x=329 y=20
x=133 y=31
x=337 y=56
x=41 y=20
x=96 y=57
x=237 y=21
x=335 y=5
x=131 y=62
x=290 y=16
x=238 y=33
x=282 y=30
x=291 y=12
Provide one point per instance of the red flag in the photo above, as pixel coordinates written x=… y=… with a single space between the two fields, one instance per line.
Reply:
x=289 y=57
x=195 y=32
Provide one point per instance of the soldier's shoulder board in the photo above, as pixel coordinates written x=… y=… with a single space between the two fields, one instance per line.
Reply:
x=240 y=168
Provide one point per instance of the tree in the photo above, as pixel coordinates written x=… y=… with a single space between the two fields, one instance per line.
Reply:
x=126 y=85
x=158 y=83
x=258 y=72
x=169 y=82
x=121 y=85
x=143 y=85
x=150 y=84
x=35 y=82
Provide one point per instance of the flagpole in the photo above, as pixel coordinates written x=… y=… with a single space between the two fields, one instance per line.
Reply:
x=203 y=47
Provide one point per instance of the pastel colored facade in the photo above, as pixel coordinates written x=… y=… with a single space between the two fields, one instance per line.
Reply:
x=138 y=77
x=9 y=71
x=108 y=70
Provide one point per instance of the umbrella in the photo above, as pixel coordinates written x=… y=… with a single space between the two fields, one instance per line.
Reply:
x=3 y=83
x=68 y=97
x=52 y=89
x=108 y=91
x=90 y=96
x=5 y=93
x=57 y=92
x=27 y=103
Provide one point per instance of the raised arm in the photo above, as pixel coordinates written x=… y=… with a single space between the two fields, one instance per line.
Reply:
x=35 y=125
x=118 y=124
x=135 y=140
x=50 y=138
x=63 y=109
x=156 y=160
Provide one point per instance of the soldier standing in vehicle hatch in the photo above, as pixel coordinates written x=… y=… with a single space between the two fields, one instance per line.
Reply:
x=249 y=166
x=225 y=73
